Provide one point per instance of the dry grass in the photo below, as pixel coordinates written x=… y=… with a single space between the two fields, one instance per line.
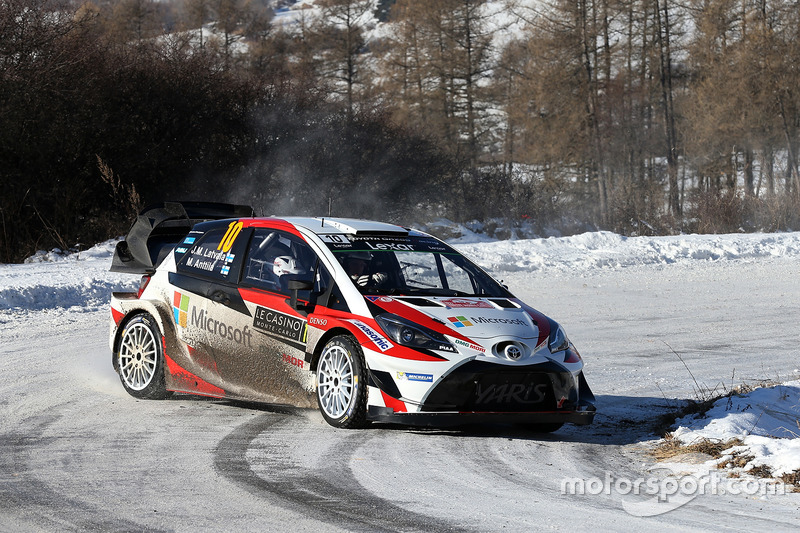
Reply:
x=792 y=479
x=735 y=461
x=672 y=447
x=760 y=470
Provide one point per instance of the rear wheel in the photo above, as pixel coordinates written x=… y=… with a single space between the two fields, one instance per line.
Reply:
x=341 y=383
x=140 y=359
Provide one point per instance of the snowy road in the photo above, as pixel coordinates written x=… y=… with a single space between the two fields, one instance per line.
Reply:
x=78 y=453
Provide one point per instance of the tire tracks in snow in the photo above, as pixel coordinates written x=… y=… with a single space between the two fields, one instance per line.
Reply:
x=329 y=492
x=32 y=501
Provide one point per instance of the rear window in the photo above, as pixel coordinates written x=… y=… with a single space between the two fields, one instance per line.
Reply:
x=216 y=254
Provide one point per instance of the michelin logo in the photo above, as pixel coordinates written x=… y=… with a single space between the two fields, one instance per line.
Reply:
x=412 y=376
x=377 y=339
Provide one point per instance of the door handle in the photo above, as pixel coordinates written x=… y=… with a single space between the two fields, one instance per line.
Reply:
x=220 y=297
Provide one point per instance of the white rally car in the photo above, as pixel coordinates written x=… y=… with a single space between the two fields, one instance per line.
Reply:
x=367 y=320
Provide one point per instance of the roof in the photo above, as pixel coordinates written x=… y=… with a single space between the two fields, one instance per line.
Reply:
x=349 y=226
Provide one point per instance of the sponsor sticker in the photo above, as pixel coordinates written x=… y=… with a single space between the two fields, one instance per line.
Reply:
x=460 y=321
x=293 y=361
x=384 y=299
x=180 y=308
x=489 y=320
x=314 y=321
x=218 y=328
x=413 y=376
x=393 y=246
x=181 y=250
x=470 y=345
x=189 y=240
x=278 y=324
x=464 y=303
x=377 y=339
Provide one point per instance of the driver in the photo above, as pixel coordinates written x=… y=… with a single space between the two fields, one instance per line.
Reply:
x=356 y=265
x=284 y=264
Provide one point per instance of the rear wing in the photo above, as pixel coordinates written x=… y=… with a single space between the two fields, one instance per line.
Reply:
x=159 y=227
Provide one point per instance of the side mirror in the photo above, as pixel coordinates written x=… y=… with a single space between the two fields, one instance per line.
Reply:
x=294 y=286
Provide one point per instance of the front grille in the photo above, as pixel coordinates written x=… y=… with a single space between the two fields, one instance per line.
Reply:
x=486 y=387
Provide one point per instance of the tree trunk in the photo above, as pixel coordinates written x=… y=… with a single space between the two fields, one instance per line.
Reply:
x=665 y=56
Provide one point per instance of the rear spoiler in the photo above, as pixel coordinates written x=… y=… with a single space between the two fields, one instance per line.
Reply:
x=159 y=227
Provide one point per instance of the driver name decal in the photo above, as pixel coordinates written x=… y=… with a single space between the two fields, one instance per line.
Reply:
x=278 y=324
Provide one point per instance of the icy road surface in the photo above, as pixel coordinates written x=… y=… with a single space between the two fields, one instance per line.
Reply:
x=78 y=453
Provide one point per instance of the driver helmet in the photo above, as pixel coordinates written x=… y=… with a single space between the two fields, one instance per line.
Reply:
x=283 y=264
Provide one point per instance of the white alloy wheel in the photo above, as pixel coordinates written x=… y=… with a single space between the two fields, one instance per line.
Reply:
x=139 y=359
x=138 y=356
x=341 y=390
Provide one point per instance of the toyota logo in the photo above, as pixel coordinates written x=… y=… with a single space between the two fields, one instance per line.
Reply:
x=513 y=352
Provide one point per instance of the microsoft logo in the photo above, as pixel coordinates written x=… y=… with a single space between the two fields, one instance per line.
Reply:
x=459 y=321
x=180 y=308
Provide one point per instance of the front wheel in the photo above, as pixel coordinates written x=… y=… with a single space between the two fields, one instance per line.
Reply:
x=140 y=359
x=341 y=383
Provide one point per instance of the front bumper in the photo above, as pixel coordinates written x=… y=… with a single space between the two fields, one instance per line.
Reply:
x=444 y=419
x=479 y=391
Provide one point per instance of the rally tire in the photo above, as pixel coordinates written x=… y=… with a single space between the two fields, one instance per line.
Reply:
x=341 y=383
x=139 y=359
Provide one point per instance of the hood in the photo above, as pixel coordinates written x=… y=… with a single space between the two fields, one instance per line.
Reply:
x=475 y=318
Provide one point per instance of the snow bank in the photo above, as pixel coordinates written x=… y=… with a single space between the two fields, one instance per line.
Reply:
x=55 y=280
x=79 y=281
x=609 y=251
x=766 y=420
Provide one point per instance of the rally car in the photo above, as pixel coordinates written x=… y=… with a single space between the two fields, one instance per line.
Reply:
x=369 y=321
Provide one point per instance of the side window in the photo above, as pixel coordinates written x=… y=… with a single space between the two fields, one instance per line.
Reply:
x=216 y=254
x=276 y=257
x=419 y=270
x=457 y=278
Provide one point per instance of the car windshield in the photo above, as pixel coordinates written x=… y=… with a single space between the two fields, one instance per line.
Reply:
x=406 y=265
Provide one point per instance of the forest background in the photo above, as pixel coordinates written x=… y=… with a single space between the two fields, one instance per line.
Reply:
x=543 y=116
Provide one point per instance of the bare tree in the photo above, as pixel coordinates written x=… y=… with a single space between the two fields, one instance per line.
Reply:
x=340 y=32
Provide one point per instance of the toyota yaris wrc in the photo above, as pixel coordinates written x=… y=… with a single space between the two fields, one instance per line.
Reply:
x=366 y=320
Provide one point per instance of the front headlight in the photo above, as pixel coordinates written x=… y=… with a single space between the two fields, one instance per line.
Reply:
x=558 y=341
x=407 y=333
